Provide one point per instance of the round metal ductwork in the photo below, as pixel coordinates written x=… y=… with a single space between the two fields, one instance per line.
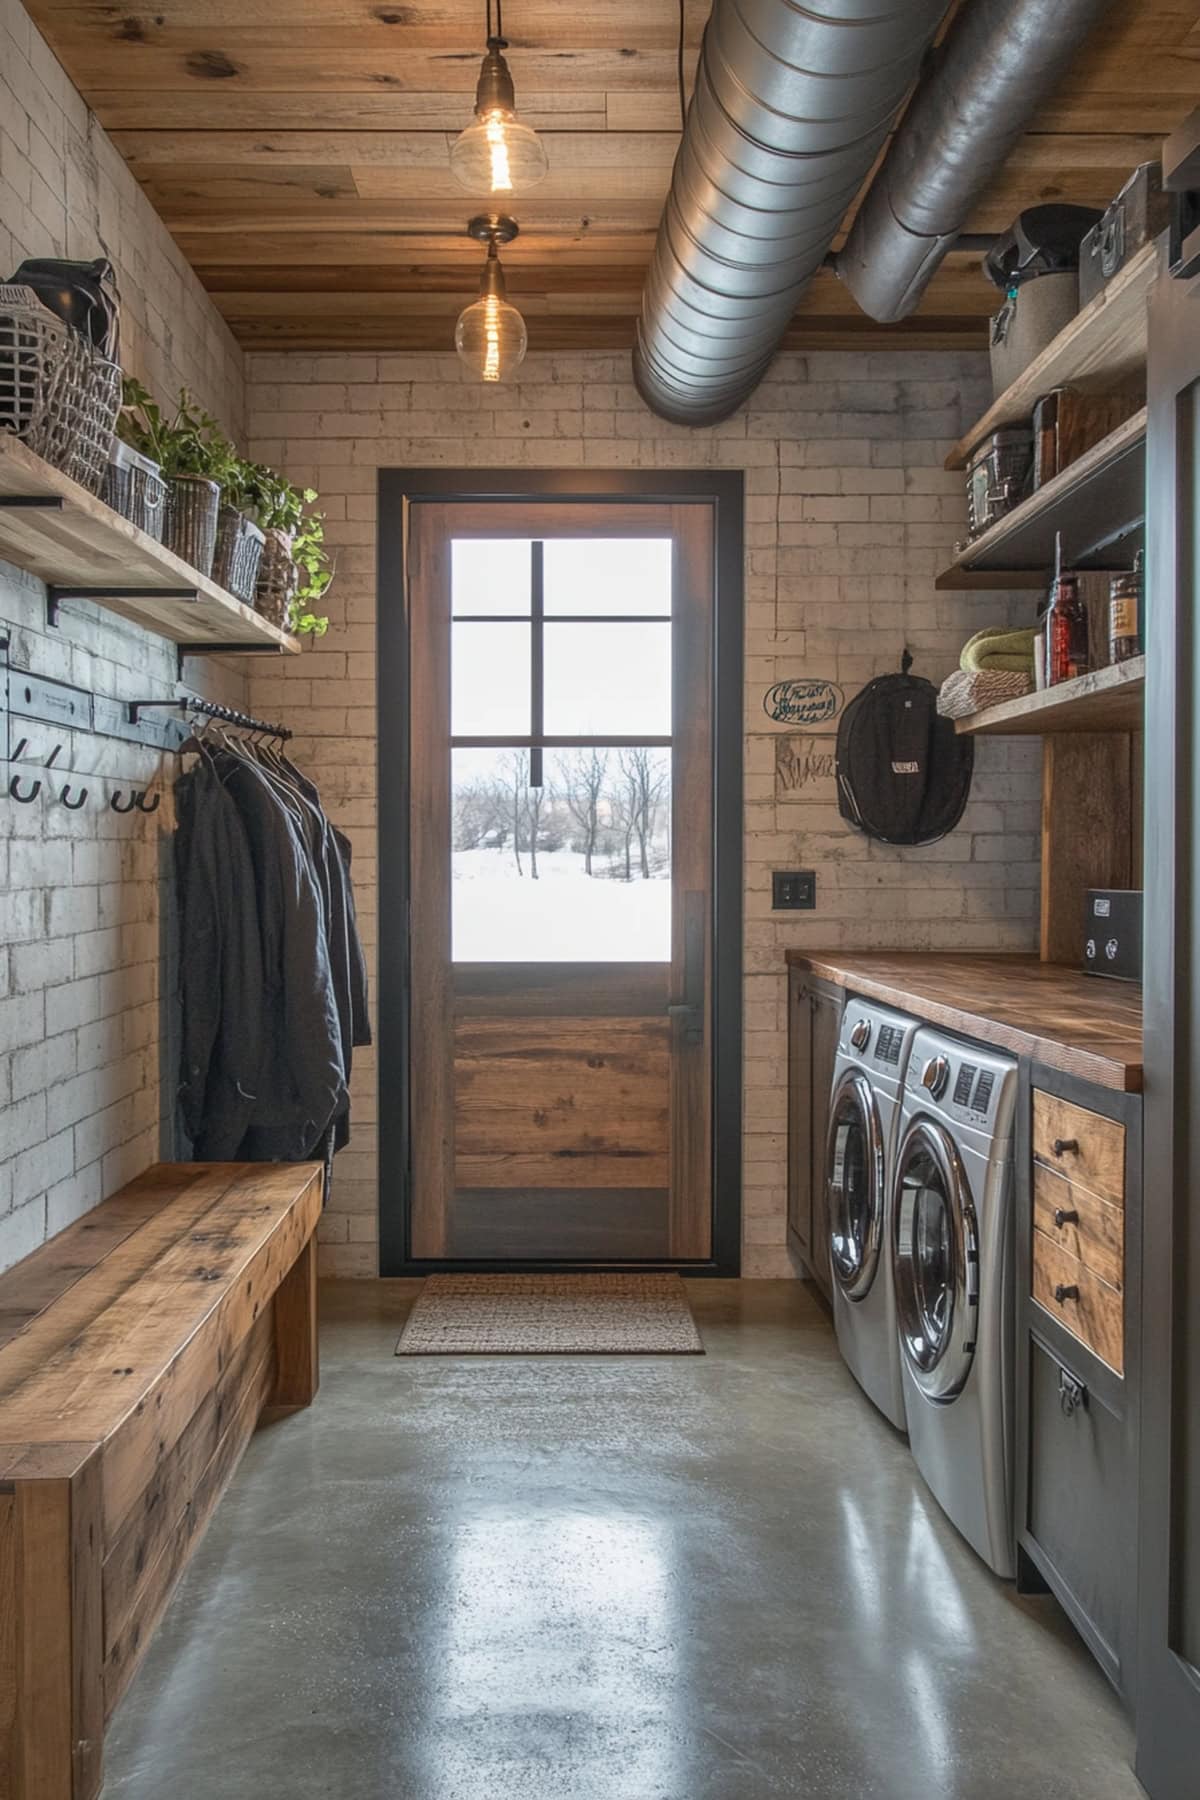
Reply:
x=1001 y=62
x=791 y=106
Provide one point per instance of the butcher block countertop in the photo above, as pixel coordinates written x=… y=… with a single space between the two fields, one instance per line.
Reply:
x=1081 y=1024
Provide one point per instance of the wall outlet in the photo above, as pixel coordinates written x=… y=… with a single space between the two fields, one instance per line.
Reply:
x=793 y=890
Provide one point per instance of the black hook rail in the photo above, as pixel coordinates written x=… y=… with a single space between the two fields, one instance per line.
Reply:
x=212 y=709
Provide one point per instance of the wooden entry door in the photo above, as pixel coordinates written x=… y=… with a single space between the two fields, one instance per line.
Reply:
x=561 y=770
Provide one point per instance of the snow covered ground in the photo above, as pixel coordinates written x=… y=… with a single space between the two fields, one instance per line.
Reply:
x=503 y=916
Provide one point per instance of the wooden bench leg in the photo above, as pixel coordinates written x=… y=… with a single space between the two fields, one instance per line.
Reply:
x=297 y=1375
x=51 y=1637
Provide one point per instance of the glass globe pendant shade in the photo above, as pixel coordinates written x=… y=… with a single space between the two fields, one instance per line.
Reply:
x=497 y=153
x=490 y=336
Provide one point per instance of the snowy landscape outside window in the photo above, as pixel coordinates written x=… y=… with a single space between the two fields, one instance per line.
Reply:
x=561 y=749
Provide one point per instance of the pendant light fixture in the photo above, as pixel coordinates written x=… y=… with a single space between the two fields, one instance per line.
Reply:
x=490 y=336
x=497 y=155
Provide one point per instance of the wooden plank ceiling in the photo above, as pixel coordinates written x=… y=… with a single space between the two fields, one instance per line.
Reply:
x=298 y=151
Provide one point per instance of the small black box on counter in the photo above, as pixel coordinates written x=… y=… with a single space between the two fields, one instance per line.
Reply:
x=1112 y=933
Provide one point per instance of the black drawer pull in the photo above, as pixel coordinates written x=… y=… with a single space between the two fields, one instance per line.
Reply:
x=1062 y=1145
x=1062 y=1293
x=1065 y=1216
x=1071 y=1393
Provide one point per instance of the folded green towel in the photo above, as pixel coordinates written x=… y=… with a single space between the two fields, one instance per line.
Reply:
x=999 y=649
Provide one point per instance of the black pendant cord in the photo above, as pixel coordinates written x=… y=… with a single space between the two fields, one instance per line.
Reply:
x=495 y=37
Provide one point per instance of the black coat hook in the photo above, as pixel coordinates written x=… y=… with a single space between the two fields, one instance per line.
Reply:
x=53 y=756
x=115 y=801
x=14 y=790
x=20 y=750
x=73 y=805
x=153 y=807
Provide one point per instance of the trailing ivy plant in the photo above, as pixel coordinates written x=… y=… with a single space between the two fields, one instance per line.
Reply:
x=276 y=505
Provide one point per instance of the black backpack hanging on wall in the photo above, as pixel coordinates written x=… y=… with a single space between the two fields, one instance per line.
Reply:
x=903 y=772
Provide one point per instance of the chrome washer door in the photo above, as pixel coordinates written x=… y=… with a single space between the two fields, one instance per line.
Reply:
x=935 y=1262
x=854 y=1179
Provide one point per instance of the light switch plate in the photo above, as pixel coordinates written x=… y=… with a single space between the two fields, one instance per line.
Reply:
x=793 y=890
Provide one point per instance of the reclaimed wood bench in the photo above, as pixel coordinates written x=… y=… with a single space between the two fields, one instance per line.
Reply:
x=138 y=1349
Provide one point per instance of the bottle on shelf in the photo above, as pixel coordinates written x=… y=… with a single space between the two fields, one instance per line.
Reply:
x=1125 y=633
x=1066 y=625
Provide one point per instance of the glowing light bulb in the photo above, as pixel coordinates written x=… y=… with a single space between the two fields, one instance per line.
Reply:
x=497 y=153
x=490 y=335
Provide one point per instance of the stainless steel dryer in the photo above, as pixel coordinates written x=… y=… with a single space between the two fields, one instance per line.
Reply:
x=864 y=1111
x=952 y=1257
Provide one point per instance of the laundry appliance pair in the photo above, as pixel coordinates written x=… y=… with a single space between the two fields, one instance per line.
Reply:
x=919 y=1174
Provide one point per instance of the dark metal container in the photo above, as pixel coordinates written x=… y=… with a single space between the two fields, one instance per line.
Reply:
x=1139 y=213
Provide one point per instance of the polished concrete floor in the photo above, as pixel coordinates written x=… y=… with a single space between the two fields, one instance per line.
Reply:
x=704 y=1578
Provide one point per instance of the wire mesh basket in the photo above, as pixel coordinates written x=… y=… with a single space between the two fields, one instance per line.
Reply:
x=278 y=578
x=193 y=502
x=134 y=487
x=239 y=551
x=56 y=393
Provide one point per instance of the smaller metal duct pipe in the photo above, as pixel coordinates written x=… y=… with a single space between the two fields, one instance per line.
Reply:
x=1001 y=62
x=793 y=100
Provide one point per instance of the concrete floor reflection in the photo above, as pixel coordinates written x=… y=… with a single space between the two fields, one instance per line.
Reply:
x=694 y=1578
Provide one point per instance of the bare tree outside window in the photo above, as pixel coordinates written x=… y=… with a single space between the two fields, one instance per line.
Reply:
x=582 y=789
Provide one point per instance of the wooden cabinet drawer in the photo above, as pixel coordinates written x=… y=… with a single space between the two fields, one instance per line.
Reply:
x=1083 y=1145
x=1087 y=1307
x=1080 y=1223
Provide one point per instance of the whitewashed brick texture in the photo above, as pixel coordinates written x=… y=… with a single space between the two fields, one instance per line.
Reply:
x=849 y=516
x=86 y=1093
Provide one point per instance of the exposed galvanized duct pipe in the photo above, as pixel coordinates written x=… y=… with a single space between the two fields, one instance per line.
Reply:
x=1001 y=62
x=791 y=106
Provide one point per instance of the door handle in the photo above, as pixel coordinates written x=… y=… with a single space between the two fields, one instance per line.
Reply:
x=690 y=1010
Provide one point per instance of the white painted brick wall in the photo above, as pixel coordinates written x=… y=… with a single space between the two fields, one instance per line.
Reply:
x=849 y=516
x=84 y=1093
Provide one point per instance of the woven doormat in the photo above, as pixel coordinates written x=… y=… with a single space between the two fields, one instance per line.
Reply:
x=551 y=1315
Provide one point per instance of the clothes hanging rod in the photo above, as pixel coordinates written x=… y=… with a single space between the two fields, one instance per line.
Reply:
x=212 y=709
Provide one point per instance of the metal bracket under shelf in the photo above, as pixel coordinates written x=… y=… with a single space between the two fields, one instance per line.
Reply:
x=185 y=650
x=38 y=502
x=55 y=595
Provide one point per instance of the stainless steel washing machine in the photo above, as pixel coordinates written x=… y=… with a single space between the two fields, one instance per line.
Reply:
x=952 y=1261
x=868 y=1082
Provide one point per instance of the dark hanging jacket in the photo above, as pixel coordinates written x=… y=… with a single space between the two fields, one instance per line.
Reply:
x=221 y=973
x=303 y=1085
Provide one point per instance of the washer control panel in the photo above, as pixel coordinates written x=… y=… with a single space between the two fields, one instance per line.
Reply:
x=889 y=1044
x=973 y=1092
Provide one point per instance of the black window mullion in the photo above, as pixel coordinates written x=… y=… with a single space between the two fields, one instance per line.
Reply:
x=537 y=658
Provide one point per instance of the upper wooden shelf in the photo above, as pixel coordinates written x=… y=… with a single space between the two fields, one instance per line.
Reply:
x=73 y=541
x=1097 y=504
x=1102 y=346
x=1108 y=699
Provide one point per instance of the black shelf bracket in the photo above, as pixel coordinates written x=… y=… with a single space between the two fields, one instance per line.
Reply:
x=185 y=650
x=41 y=502
x=55 y=595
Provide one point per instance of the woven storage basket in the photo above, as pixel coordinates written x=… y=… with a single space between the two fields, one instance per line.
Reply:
x=56 y=394
x=239 y=551
x=193 y=502
x=278 y=577
x=135 y=488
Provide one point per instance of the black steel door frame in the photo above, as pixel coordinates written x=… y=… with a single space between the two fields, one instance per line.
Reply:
x=723 y=490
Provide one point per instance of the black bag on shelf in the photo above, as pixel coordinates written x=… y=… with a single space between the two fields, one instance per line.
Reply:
x=81 y=294
x=903 y=772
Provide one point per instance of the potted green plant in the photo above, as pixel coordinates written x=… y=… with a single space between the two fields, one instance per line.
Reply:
x=295 y=569
x=194 y=456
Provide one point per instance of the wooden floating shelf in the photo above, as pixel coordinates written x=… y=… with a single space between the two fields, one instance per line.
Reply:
x=71 y=540
x=1097 y=504
x=1103 y=346
x=1103 y=700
